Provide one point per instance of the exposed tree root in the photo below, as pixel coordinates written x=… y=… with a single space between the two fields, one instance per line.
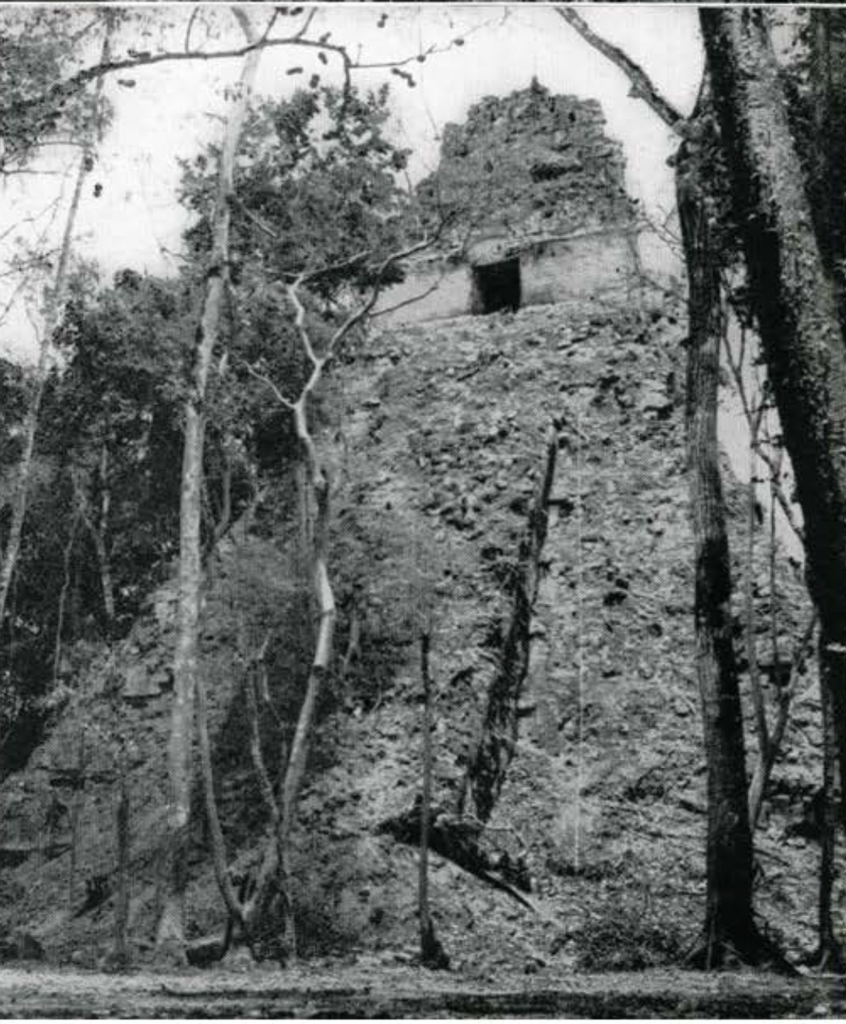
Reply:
x=433 y=955
x=828 y=959
x=753 y=949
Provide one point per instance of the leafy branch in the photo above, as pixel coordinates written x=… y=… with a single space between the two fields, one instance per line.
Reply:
x=60 y=92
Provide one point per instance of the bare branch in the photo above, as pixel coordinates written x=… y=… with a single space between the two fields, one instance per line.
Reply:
x=412 y=299
x=269 y=383
x=334 y=268
x=774 y=466
x=259 y=765
x=62 y=91
x=754 y=419
x=359 y=314
x=642 y=86
x=764 y=766
x=84 y=30
x=305 y=26
x=254 y=218
x=299 y=319
x=191 y=20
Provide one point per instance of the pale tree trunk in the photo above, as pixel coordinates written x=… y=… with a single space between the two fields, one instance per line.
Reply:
x=275 y=871
x=795 y=305
x=67 y=555
x=170 y=940
x=830 y=952
x=729 y=922
x=53 y=311
x=99 y=532
x=766 y=762
x=218 y=845
x=101 y=541
x=274 y=882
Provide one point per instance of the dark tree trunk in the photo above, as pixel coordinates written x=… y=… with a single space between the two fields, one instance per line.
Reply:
x=432 y=953
x=828 y=76
x=729 y=922
x=488 y=767
x=120 y=953
x=795 y=305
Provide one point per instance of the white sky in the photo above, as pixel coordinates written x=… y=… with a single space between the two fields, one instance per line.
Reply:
x=172 y=108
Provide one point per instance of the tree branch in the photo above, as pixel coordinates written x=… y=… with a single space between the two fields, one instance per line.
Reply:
x=764 y=766
x=62 y=91
x=363 y=310
x=191 y=20
x=299 y=323
x=269 y=383
x=642 y=86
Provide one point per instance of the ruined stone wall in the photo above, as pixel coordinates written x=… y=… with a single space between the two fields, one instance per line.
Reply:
x=532 y=177
x=529 y=165
x=575 y=267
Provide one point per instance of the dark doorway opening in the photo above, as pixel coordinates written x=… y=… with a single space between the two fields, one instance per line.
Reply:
x=496 y=286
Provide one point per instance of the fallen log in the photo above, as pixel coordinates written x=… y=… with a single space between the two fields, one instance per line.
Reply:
x=458 y=840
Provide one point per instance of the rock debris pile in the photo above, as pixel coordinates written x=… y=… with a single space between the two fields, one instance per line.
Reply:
x=531 y=164
x=444 y=427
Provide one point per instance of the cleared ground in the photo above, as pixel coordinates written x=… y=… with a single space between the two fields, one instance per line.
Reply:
x=353 y=991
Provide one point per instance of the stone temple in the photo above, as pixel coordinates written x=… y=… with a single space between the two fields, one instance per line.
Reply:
x=538 y=211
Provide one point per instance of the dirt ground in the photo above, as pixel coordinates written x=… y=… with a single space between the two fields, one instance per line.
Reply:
x=356 y=990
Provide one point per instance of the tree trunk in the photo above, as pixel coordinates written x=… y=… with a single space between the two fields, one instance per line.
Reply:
x=728 y=922
x=101 y=535
x=218 y=843
x=99 y=532
x=432 y=953
x=488 y=767
x=170 y=941
x=77 y=804
x=828 y=80
x=274 y=874
x=120 y=953
x=830 y=953
x=67 y=554
x=764 y=766
x=794 y=302
x=52 y=313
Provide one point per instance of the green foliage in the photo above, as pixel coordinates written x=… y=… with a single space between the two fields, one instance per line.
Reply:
x=13 y=402
x=38 y=48
x=109 y=446
x=316 y=189
x=627 y=937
